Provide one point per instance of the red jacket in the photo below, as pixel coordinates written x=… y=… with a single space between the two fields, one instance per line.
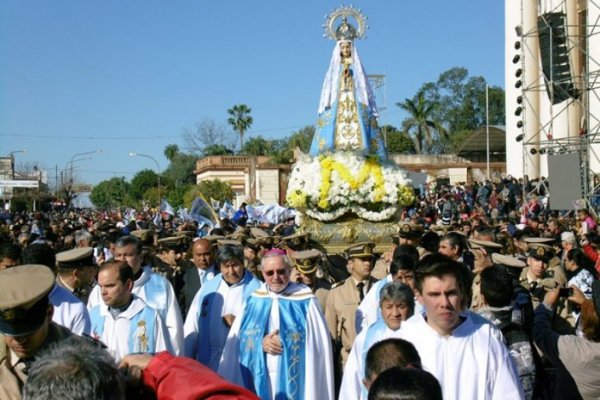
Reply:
x=593 y=255
x=180 y=378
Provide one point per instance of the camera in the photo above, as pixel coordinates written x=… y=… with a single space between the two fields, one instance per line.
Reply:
x=565 y=292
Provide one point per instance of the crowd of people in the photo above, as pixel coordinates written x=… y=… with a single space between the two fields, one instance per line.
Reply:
x=482 y=294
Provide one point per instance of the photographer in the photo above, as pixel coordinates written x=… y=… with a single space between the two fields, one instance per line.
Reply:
x=577 y=359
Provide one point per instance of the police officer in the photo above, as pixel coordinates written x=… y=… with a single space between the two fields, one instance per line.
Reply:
x=305 y=271
x=538 y=277
x=344 y=298
x=77 y=271
x=26 y=325
x=295 y=242
x=251 y=259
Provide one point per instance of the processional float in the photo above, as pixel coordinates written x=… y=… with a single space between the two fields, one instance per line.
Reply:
x=346 y=190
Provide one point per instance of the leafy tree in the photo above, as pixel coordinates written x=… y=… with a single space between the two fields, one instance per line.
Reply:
x=283 y=149
x=420 y=123
x=216 y=150
x=141 y=182
x=176 y=194
x=240 y=120
x=180 y=170
x=215 y=189
x=397 y=142
x=207 y=134
x=257 y=146
x=461 y=101
x=171 y=150
x=302 y=139
x=110 y=193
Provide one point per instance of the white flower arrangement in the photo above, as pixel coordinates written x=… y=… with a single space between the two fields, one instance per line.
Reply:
x=328 y=186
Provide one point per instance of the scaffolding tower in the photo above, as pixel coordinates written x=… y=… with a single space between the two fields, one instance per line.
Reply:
x=553 y=43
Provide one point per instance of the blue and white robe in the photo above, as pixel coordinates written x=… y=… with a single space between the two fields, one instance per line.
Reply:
x=158 y=293
x=354 y=372
x=304 y=370
x=138 y=329
x=369 y=311
x=204 y=330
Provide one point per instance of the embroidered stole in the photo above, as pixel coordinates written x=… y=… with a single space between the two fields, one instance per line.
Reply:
x=141 y=338
x=206 y=298
x=292 y=330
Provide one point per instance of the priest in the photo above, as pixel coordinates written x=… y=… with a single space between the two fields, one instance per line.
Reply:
x=280 y=346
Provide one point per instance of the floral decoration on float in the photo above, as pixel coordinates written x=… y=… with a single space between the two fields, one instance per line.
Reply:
x=331 y=185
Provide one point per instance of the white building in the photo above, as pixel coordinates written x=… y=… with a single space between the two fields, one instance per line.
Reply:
x=251 y=177
x=546 y=127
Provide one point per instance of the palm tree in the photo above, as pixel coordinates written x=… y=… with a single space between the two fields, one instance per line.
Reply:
x=421 y=121
x=240 y=120
x=171 y=151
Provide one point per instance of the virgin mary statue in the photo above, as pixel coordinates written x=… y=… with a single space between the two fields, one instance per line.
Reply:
x=347 y=118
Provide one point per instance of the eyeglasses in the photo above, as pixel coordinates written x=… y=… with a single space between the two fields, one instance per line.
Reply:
x=279 y=272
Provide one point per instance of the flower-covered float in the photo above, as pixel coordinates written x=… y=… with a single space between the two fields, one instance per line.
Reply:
x=346 y=190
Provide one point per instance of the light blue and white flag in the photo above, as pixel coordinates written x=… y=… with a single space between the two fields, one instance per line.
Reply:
x=165 y=207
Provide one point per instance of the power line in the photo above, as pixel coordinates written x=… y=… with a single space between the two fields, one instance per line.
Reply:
x=158 y=137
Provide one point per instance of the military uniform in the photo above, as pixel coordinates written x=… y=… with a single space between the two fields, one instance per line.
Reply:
x=380 y=270
x=340 y=313
x=173 y=273
x=342 y=302
x=252 y=264
x=79 y=258
x=24 y=311
x=490 y=248
x=551 y=278
x=13 y=372
x=306 y=262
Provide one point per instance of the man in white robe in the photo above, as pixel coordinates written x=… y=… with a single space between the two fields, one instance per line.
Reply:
x=280 y=345
x=396 y=305
x=124 y=322
x=154 y=289
x=465 y=353
x=216 y=306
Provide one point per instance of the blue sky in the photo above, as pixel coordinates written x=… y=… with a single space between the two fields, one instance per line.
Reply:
x=122 y=76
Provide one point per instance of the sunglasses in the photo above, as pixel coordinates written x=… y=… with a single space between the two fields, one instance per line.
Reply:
x=279 y=272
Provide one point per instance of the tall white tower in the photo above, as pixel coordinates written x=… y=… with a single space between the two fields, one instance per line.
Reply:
x=552 y=61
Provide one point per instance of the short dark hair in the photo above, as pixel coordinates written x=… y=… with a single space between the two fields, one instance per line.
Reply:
x=496 y=286
x=390 y=353
x=405 y=384
x=430 y=241
x=228 y=253
x=39 y=253
x=455 y=240
x=403 y=261
x=74 y=369
x=125 y=271
x=10 y=250
x=408 y=250
x=438 y=265
x=127 y=240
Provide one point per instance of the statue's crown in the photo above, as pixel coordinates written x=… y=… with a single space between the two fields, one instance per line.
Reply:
x=345 y=30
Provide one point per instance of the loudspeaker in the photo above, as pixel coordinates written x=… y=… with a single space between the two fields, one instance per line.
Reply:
x=554 y=52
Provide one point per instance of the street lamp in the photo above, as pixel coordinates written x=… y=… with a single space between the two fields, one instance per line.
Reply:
x=133 y=154
x=81 y=154
x=15 y=152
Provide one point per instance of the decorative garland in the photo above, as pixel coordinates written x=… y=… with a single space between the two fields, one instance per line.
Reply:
x=327 y=187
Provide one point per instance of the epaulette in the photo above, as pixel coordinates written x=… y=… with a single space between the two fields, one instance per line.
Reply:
x=337 y=284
